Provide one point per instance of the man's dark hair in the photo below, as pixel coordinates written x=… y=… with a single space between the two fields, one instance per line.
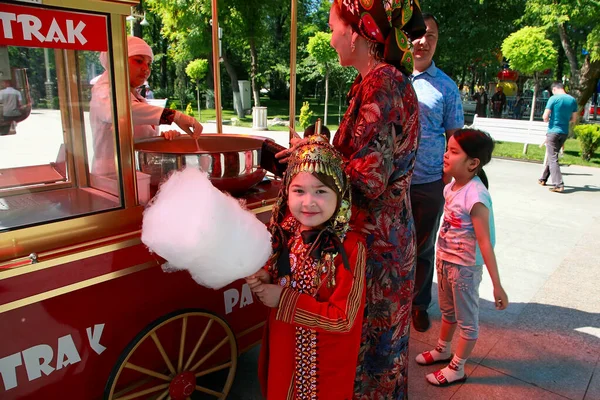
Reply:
x=557 y=85
x=429 y=16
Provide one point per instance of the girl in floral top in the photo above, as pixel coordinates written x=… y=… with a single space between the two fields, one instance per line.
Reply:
x=314 y=282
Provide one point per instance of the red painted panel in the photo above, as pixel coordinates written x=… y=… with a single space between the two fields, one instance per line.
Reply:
x=55 y=29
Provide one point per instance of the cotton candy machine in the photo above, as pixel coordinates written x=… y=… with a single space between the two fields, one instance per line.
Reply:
x=232 y=162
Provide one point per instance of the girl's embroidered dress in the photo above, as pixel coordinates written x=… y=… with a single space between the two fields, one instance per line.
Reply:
x=311 y=342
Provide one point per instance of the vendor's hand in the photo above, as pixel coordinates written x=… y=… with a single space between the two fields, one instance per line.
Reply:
x=500 y=298
x=260 y=277
x=268 y=294
x=188 y=124
x=295 y=142
x=170 y=134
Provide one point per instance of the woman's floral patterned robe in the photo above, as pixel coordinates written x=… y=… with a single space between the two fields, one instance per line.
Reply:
x=378 y=137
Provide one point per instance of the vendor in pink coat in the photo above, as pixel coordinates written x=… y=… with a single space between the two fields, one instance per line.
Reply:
x=146 y=118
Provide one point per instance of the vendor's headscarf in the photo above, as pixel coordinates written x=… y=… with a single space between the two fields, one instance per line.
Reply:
x=393 y=23
x=321 y=157
x=135 y=47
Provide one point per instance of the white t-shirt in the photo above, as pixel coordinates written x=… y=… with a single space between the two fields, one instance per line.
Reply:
x=11 y=99
x=457 y=242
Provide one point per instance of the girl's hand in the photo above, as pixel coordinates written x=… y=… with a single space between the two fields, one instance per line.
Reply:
x=500 y=297
x=258 y=278
x=268 y=294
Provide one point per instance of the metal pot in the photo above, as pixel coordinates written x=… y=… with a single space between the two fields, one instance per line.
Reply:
x=232 y=162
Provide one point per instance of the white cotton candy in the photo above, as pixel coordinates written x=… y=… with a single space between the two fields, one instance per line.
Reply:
x=196 y=227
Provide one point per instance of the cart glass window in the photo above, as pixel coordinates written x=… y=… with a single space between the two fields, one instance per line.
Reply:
x=57 y=150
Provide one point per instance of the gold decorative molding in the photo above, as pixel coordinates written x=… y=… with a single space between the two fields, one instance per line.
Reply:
x=11 y=273
x=74 y=287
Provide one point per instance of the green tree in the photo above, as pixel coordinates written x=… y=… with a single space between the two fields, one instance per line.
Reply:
x=197 y=70
x=470 y=36
x=530 y=52
x=319 y=48
x=577 y=23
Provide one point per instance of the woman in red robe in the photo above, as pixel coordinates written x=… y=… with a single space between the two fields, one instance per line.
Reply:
x=378 y=139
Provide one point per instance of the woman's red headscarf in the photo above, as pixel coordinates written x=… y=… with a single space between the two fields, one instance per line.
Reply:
x=393 y=23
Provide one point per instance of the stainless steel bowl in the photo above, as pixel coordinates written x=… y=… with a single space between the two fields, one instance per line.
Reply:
x=232 y=162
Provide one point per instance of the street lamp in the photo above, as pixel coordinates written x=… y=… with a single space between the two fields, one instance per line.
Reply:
x=131 y=19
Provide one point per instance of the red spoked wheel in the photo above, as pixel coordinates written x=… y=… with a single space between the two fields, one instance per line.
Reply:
x=172 y=357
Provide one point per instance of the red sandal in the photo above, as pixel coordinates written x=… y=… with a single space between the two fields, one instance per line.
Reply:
x=438 y=379
x=429 y=360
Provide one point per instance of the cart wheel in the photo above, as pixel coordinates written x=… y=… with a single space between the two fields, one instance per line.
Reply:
x=171 y=355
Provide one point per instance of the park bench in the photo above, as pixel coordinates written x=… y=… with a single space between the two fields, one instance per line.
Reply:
x=513 y=130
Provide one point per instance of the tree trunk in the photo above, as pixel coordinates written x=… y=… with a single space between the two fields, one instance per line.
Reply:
x=589 y=75
x=326 y=96
x=210 y=83
x=235 y=87
x=163 y=65
x=254 y=71
x=560 y=63
x=198 y=97
x=339 y=106
x=570 y=53
x=536 y=87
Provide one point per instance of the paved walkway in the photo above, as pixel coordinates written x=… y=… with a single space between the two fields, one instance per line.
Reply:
x=546 y=345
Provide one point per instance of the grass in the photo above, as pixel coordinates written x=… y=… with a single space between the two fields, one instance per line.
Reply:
x=572 y=153
x=280 y=109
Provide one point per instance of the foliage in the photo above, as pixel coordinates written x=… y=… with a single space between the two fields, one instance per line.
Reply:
x=173 y=105
x=320 y=49
x=529 y=51
x=306 y=115
x=197 y=69
x=575 y=25
x=189 y=110
x=589 y=139
x=593 y=43
x=470 y=35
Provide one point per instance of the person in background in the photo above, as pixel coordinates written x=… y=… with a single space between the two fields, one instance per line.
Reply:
x=498 y=102
x=481 y=98
x=12 y=103
x=519 y=107
x=149 y=93
x=561 y=110
x=466 y=242
x=440 y=114
x=11 y=100
x=146 y=118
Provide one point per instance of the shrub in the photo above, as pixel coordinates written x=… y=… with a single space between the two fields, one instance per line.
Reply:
x=173 y=105
x=189 y=110
x=306 y=115
x=589 y=139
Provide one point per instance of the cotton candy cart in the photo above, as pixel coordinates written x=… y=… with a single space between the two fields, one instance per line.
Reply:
x=85 y=310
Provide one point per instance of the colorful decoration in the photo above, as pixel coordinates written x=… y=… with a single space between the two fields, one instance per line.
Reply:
x=510 y=88
x=508 y=75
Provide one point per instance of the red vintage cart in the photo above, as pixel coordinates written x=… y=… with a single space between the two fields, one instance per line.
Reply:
x=85 y=310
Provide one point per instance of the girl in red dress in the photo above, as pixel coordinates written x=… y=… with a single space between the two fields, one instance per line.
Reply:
x=314 y=282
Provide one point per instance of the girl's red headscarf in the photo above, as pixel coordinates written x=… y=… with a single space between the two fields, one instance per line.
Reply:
x=393 y=23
